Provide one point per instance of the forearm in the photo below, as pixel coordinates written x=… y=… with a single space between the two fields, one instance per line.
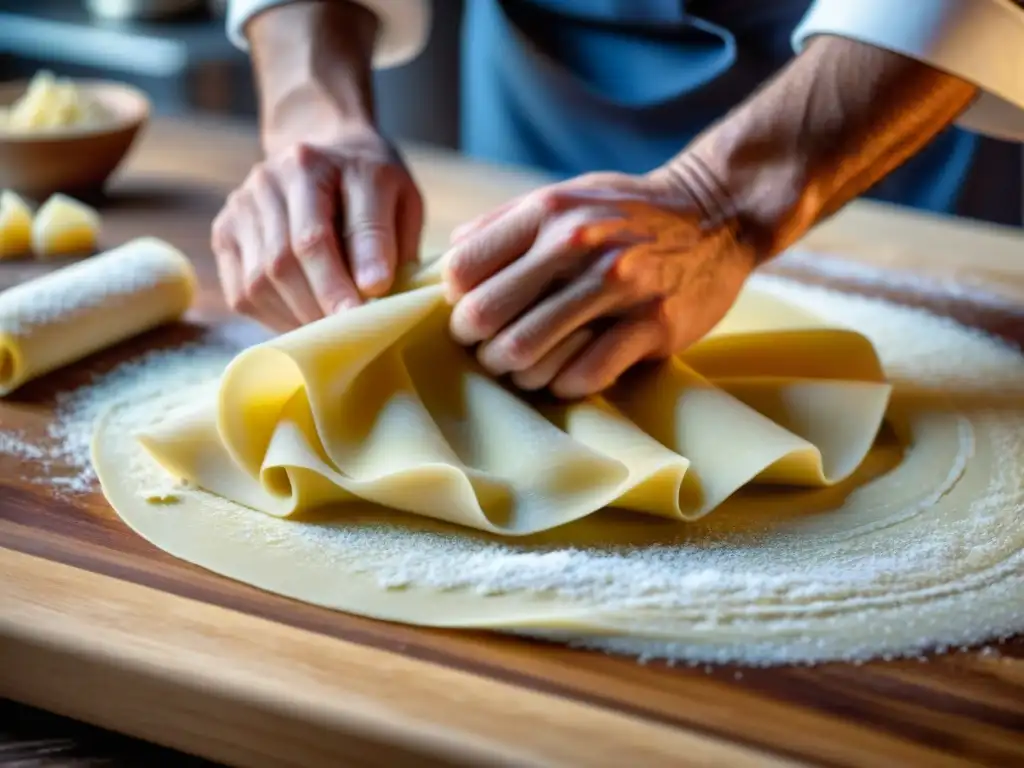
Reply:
x=839 y=118
x=313 y=66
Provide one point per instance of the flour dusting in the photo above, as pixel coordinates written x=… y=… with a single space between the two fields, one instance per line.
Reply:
x=13 y=444
x=63 y=458
x=944 y=569
x=918 y=569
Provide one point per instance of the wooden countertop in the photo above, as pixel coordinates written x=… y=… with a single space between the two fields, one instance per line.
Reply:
x=98 y=625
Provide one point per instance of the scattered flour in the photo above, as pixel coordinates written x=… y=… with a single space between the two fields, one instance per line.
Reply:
x=63 y=459
x=13 y=444
x=759 y=598
x=941 y=572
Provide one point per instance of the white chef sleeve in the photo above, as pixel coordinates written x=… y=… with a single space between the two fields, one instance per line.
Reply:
x=404 y=26
x=981 y=41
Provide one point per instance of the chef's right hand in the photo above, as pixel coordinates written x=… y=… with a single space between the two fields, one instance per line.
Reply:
x=317 y=228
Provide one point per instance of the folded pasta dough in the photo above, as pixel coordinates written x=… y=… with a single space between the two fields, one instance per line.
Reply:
x=68 y=314
x=379 y=405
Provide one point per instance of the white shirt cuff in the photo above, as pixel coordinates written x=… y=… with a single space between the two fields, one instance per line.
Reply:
x=981 y=41
x=404 y=26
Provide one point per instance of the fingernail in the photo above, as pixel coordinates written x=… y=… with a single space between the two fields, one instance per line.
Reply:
x=371 y=276
x=344 y=304
x=567 y=390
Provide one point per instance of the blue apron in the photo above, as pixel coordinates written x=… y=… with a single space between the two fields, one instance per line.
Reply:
x=574 y=86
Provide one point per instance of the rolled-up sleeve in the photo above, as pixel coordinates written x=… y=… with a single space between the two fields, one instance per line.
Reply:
x=404 y=26
x=980 y=41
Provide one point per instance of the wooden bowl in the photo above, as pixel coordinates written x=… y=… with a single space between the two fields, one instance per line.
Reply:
x=75 y=161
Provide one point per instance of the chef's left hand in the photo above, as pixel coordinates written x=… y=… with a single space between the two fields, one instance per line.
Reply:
x=571 y=285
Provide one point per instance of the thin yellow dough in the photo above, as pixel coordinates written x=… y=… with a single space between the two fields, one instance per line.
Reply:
x=73 y=312
x=920 y=546
x=380 y=405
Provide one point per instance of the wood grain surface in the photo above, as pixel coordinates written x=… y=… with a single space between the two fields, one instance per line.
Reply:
x=97 y=624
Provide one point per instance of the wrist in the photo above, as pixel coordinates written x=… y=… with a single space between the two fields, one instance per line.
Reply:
x=313 y=67
x=839 y=118
x=729 y=209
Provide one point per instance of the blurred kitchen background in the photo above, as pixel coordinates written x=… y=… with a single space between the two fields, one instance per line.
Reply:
x=177 y=51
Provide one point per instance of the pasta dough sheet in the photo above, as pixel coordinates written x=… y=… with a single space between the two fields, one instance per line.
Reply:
x=379 y=405
x=73 y=312
x=921 y=546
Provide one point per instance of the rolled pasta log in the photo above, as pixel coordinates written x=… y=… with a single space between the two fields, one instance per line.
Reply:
x=68 y=314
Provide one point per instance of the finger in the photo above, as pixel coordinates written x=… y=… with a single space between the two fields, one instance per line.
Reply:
x=409 y=219
x=370 y=204
x=228 y=259
x=314 y=241
x=495 y=303
x=279 y=262
x=523 y=343
x=556 y=254
x=263 y=302
x=543 y=372
x=467 y=228
x=565 y=191
x=481 y=255
x=609 y=356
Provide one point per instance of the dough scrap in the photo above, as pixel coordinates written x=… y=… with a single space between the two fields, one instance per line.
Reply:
x=64 y=226
x=75 y=311
x=380 y=405
x=15 y=225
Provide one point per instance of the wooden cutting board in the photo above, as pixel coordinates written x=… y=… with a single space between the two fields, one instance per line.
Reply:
x=97 y=624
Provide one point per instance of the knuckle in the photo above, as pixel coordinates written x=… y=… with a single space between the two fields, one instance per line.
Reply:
x=575 y=231
x=367 y=230
x=239 y=302
x=302 y=156
x=384 y=172
x=550 y=200
x=607 y=274
x=234 y=201
x=279 y=266
x=517 y=352
x=473 y=314
x=312 y=240
x=596 y=179
x=456 y=270
x=259 y=176
x=256 y=283
x=220 y=234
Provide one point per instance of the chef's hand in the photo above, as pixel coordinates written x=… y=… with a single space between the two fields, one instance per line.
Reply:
x=569 y=286
x=317 y=229
x=322 y=222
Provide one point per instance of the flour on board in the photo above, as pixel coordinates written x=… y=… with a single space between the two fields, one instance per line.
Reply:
x=722 y=586
x=759 y=598
x=63 y=456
